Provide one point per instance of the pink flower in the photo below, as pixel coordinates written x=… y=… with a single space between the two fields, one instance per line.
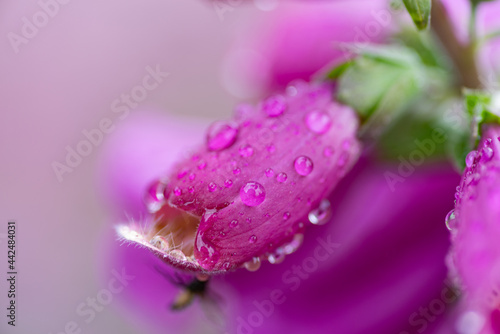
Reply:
x=475 y=226
x=245 y=195
x=386 y=262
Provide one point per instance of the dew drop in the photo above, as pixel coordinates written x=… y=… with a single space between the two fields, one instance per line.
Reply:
x=318 y=121
x=269 y=172
x=212 y=187
x=294 y=244
x=286 y=215
x=451 y=221
x=178 y=254
x=274 y=106
x=233 y=223
x=155 y=196
x=182 y=173
x=221 y=135
x=322 y=214
x=252 y=193
x=487 y=154
x=192 y=176
x=159 y=242
x=228 y=183
x=271 y=148
x=252 y=239
x=253 y=264
x=281 y=177
x=303 y=165
x=202 y=165
x=276 y=258
x=246 y=151
x=177 y=191
x=191 y=190
x=469 y=160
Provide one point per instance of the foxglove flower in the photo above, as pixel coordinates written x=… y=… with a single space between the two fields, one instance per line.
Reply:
x=249 y=192
x=357 y=281
x=475 y=227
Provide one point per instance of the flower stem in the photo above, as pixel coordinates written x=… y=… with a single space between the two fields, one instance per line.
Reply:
x=463 y=56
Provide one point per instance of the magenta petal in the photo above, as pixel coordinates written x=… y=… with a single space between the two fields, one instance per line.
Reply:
x=240 y=205
x=384 y=262
x=475 y=255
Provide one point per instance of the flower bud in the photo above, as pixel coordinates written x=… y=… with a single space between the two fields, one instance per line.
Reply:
x=247 y=195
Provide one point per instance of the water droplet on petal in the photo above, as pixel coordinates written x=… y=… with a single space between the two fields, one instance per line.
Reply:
x=469 y=160
x=191 y=190
x=159 y=242
x=178 y=254
x=233 y=223
x=274 y=105
x=212 y=187
x=246 y=151
x=177 y=191
x=487 y=154
x=343 y=159
x=451 y=221
x=303 y=165
x=269 y=172
x=221 y=135
x=318 y=121
x=182 y=173
x=294 y=244
x=281 y=177
x=271 y=148
x=252 y=239
x=487 y=142
x=276 y=258
x=253 y=264
x=252 y=193
x=155 y=196
x=286 y=215
x=228 y=183
x=322 y=214
x=202 y=165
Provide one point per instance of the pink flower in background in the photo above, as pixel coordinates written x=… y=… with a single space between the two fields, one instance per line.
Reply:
x=297 y=39
x=380 y=256
x=475 y=226
x=245 y=195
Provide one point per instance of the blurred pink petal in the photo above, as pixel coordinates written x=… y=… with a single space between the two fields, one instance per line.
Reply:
x=476 y=233
x=297 y=39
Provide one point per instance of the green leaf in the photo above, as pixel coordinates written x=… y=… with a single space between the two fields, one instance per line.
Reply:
x=420 y=12
x=337 y=71
x=479 y=105
x=381 y=80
